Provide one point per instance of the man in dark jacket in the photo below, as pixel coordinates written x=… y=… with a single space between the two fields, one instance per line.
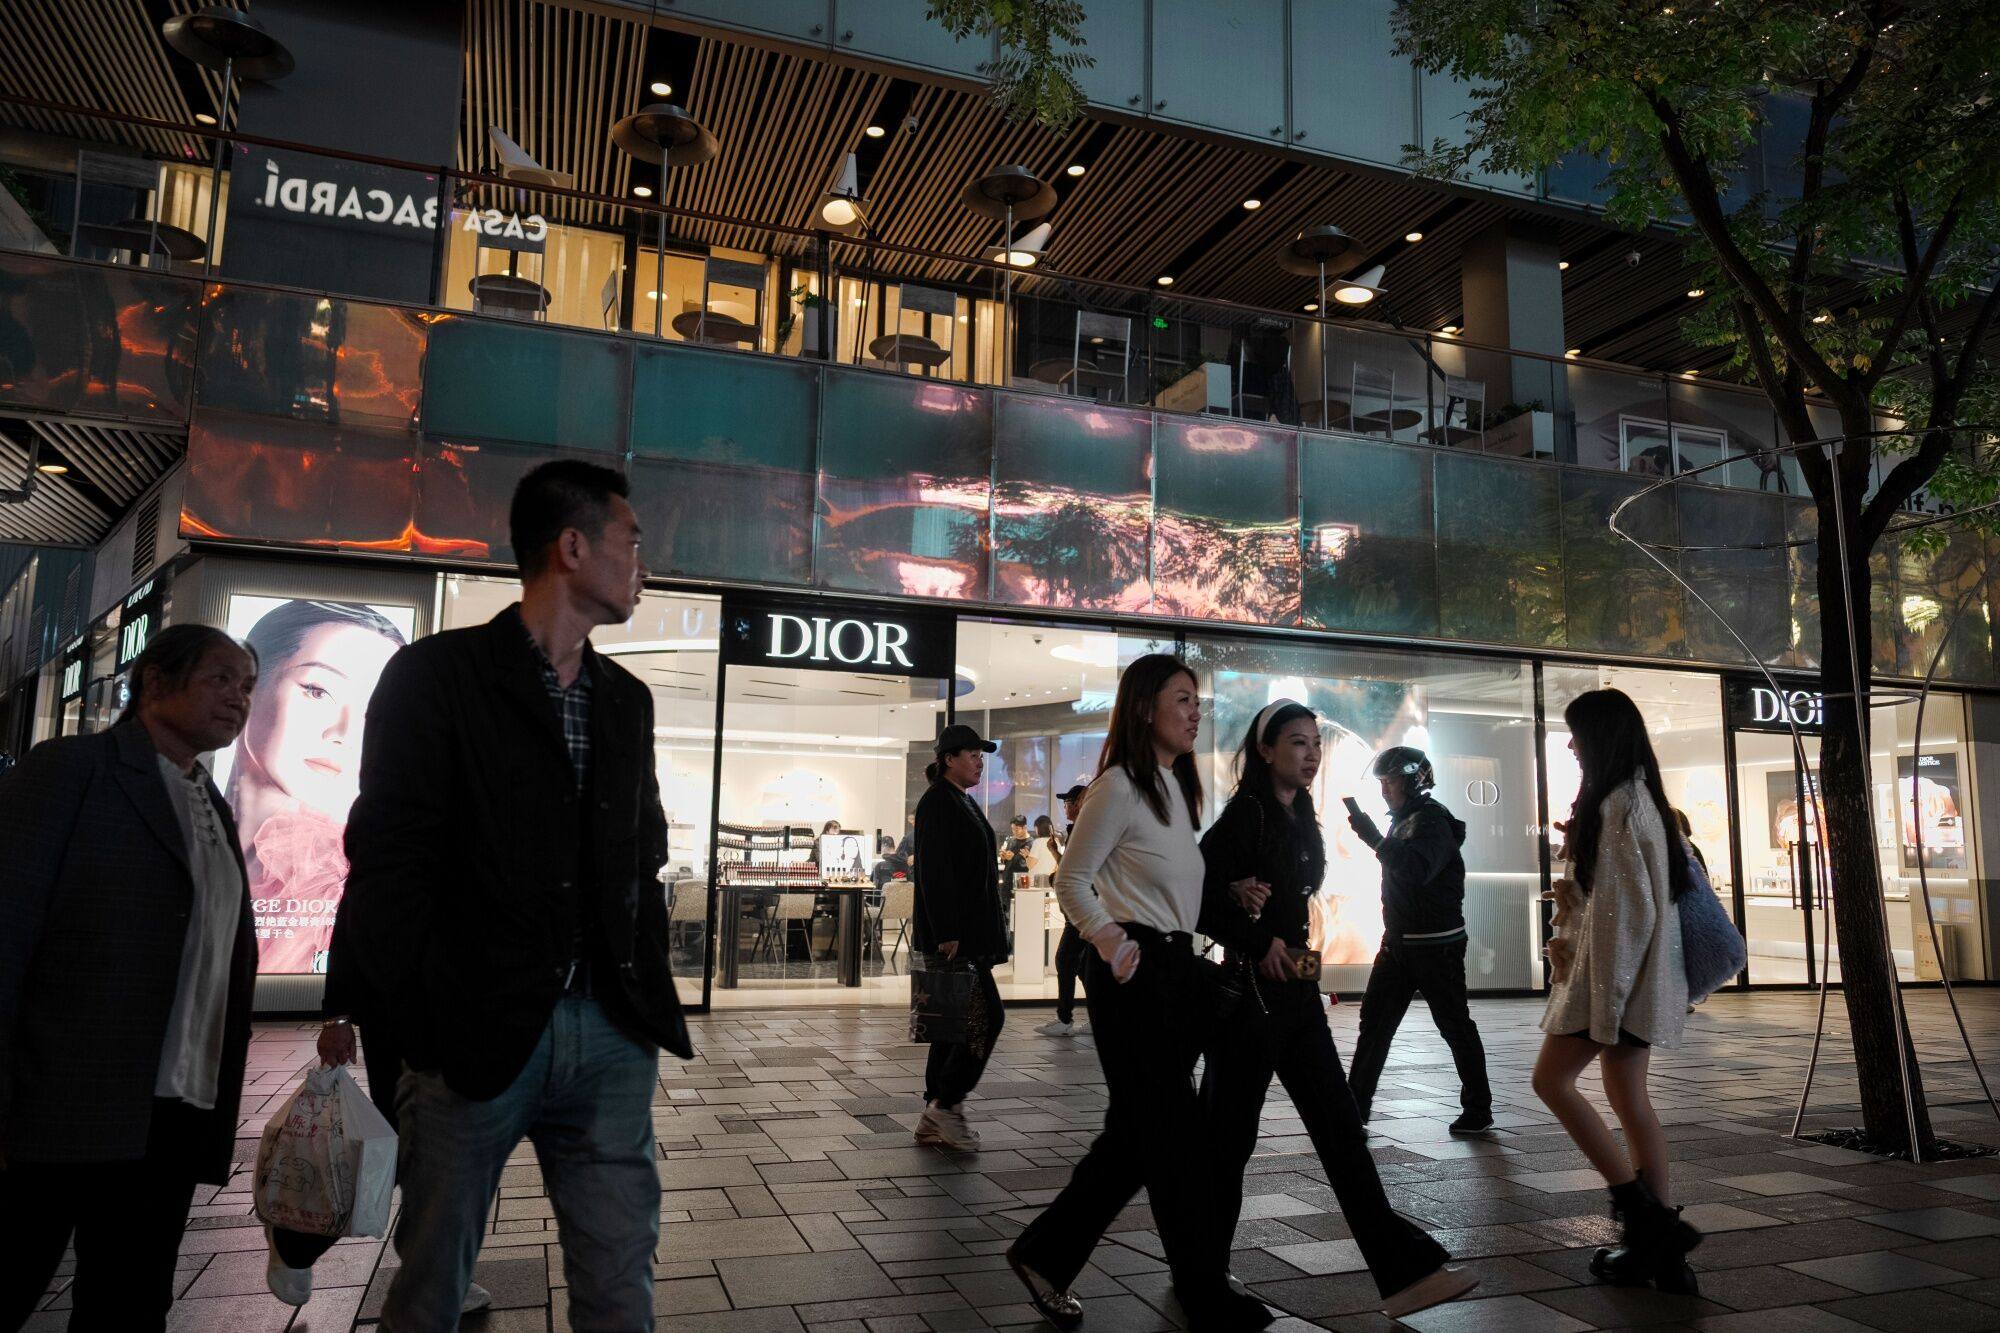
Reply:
x=127 y=964
x=1423 y=935
x=958 y=919
x=504 y=909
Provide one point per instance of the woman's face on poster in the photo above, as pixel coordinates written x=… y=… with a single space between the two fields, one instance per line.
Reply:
x=304 y=733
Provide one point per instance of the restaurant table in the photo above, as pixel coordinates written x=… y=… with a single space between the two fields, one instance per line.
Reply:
x=509 y=291
x=908 y=349
x=710 y=327
x=1387 y=421
x=139 y=236
x=847 y=928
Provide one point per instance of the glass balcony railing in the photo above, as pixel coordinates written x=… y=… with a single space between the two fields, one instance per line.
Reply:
x=1066 y=444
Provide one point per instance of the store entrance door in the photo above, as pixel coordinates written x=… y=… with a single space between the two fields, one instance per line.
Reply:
x=828 y=711
x=1779 y=818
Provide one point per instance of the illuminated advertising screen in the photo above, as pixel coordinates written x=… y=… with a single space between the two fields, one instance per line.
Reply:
x=292 y=776
x=1928 y=796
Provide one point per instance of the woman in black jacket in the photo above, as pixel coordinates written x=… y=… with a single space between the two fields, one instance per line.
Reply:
x=958 y=920
x=1265 y=858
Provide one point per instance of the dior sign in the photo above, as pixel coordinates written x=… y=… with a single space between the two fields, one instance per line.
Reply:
x=837 y=636
x=1753 y=705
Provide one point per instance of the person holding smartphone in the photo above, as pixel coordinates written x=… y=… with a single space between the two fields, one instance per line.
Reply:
x=1423 y=934
x=1265 y=859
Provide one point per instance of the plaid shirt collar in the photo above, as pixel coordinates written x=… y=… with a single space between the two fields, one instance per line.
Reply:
x=572 y=703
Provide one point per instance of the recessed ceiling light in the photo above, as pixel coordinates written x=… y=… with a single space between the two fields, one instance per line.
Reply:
x=1562 y=266
x=1823 y=318
x=1689 y=374
x=1253 y=204
x=1574 y=351
x=1696 y=293
x=661 y=88
x=652 y=296
x=1165 y=279
x=53 y=469
x=1076 y=168
x=1311 y=306
x=874 y=131
x=643 y=191
x=1449 y=328
x=203 y=118
x=1413 y=236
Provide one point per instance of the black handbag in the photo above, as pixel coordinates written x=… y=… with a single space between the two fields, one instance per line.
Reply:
x=948 y=1003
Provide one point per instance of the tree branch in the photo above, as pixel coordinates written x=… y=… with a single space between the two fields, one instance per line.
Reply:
x=1825 y=104
x=1791 y=405
x=1698 y=190
x=1909 y=476
x=1917 y=271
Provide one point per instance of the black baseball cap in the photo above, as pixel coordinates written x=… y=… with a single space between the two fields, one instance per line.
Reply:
x=1074 y=792
x=958 y=737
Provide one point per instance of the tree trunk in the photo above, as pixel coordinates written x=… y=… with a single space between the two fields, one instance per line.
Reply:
x=1869 y=984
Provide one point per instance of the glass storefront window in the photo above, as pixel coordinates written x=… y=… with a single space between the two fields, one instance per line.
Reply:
x=1474 y=717
x=574 y=266
x=1043 y=694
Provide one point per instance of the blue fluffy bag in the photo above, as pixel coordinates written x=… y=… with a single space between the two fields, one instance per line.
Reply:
x=1712 y=950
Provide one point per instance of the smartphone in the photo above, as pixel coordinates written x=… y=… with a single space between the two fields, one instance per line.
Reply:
x=1352 y=808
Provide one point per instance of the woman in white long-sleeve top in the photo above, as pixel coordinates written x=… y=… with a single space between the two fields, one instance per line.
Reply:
x=1618 y=986
x=1130 y=881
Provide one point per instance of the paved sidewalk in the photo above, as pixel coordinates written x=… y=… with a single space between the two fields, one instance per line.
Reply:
x=795 y=1198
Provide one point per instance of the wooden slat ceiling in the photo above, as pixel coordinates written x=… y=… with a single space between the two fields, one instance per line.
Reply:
x=59 y=512
x=119 y=461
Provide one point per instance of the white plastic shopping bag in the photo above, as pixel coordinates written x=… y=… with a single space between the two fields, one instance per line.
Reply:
x=327 y=1163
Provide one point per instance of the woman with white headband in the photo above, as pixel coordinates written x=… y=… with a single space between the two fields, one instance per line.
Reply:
x=1265 y=859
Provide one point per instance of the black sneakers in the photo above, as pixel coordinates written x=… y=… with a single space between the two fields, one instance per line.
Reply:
x=1473 y=1122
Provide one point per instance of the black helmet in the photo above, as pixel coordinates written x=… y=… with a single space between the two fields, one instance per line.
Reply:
x=1405 y=761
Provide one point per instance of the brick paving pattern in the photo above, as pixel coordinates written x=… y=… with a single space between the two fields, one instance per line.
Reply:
x=796 y=1200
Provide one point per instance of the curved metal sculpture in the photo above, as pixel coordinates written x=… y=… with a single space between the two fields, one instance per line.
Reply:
x=1811 y=809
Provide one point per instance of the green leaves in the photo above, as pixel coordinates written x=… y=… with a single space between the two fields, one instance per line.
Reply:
x=1041 y=49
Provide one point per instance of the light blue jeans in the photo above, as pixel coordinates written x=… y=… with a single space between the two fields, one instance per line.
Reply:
x=585 y=1101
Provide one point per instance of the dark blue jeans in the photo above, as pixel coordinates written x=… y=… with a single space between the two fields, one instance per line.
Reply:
x=585 y=1101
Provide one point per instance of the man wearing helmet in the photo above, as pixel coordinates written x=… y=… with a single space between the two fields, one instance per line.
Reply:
x=1423 y=934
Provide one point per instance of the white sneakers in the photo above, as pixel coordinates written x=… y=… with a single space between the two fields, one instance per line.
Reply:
x=1055 y=1027
x=1446 y=1284
x=477 y=1298
x=946 y=1128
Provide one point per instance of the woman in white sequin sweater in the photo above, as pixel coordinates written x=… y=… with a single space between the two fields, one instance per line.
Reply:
x=1618 y=985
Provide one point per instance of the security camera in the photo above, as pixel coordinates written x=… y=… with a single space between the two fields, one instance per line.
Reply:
x=1038 y=640
x=910 y=124
x=1632 y=258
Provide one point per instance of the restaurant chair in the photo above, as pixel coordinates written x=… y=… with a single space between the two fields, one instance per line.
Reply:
x=900 y=347
x=1089 y=355
x=899 y=904
x=1464 y=418
x=687 y=911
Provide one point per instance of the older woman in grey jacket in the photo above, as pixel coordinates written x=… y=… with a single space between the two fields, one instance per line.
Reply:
x=1618 y=986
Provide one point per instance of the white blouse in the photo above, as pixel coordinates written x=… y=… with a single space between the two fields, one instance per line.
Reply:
x=1122 y=864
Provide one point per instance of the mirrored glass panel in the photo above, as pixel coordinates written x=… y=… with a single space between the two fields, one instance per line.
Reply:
x=1072 y=504
x=266 y=478
x=1366 y=523
x=492 y=380
x=905 y=479
x=1226 y=529
x=1617 y=599
x=1499 y=534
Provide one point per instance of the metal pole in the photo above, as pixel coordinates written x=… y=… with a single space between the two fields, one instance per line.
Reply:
x=1007 y=296
x=215 y=180
x=1320 y=314
x=660 y=255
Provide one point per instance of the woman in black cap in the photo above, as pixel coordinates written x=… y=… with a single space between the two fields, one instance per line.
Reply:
x=1265 y=859
x=958 y=919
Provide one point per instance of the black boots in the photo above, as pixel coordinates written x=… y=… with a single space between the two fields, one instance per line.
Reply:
x=1655 y=1244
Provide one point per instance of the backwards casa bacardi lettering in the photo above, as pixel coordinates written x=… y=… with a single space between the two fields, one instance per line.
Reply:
x=389 y=208
x=823 y=639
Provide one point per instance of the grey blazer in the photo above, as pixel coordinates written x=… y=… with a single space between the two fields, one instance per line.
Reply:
x=95 y=892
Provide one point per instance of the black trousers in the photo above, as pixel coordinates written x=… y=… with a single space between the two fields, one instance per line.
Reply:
x=1070 y=950
x=126 y=1219
x=1155 y=1132
x=1401 y=971
x=953 y=1070
x=1288 y=1036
